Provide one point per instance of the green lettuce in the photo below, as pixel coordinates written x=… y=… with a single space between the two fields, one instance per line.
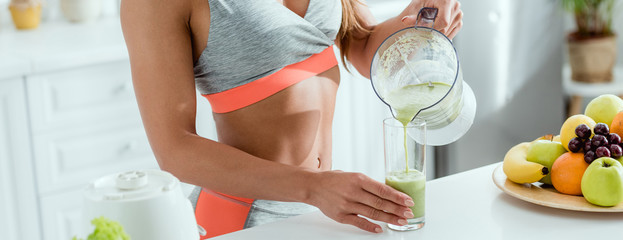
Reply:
x=106 y=229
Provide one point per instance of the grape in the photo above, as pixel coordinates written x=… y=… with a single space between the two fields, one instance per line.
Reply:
x=588 y=146
x=601 y=129
x=598 y=141
x=575 y=145
x=616 y=151
x=589 y=157
x=583 y=131
x=602 y=151
x=614 y=138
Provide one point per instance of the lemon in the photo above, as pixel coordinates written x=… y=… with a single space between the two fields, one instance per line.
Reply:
x=567 y=131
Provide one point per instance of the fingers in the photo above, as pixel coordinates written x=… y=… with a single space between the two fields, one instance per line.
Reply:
x=409 y=20
x=361 y=223
x=376 y=202
x=379 y=215
x=457 y=22
x=386 y=192
x=445 y=14
x=455 y=30
x=448 y=19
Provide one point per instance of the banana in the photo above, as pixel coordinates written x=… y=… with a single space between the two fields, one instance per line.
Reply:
x=518 y=169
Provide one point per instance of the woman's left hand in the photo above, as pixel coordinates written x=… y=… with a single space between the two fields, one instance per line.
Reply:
x=449 y=15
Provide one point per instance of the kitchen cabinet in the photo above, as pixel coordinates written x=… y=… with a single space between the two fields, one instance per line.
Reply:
x=61 y=215
x=18 y=204
x=85 y=124
x=68 y=116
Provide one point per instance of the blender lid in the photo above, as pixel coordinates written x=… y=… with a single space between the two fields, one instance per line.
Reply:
x=131 y=185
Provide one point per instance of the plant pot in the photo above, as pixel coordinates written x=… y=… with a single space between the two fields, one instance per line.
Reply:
x=81 y=10
x=26 y=16
x=592 y=59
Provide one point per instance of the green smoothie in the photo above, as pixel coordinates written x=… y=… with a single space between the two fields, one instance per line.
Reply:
x=411 y=183
x=408 y=100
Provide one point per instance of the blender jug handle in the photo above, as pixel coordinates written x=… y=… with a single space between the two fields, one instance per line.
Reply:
x=427 y=15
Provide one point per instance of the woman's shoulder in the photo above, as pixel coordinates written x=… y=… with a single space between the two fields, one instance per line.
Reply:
x=157 y=11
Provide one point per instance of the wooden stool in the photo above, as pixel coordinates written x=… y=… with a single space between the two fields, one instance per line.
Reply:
x=575 y=92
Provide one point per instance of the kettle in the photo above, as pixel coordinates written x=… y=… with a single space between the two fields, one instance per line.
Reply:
x=149 y=204
x=416 y=72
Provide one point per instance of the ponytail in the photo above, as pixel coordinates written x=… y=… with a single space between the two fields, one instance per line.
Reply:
x=351 y=28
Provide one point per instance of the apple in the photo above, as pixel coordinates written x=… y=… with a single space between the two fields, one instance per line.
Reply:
x=545 y=152
x=602 y=183
x=602 y=109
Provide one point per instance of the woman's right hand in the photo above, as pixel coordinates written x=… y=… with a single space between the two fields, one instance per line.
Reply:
x=345 y=197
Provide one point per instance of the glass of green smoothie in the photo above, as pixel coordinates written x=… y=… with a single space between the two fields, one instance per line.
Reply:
x=405 y=168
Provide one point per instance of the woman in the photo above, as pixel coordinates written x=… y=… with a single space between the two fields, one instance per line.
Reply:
x=268 y=70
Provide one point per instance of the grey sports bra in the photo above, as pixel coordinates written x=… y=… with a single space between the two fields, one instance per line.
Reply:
x=251 y=39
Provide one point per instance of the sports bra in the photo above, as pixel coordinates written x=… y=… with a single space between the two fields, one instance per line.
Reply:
x=252 y=39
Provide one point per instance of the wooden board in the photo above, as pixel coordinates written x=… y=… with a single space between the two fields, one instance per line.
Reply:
x=546 y=196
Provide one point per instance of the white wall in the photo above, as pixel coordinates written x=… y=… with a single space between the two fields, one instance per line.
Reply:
x=511 y=55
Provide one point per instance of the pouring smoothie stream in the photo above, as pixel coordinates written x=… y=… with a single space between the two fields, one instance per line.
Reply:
x=416 y=73
x=407 y=102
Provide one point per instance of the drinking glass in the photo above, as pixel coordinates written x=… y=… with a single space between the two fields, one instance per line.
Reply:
x=405 y=170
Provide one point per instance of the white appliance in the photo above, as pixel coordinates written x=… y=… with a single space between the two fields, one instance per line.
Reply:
x=149 y=204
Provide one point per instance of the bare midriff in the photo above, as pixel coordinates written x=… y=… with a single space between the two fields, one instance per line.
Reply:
x=292 y=127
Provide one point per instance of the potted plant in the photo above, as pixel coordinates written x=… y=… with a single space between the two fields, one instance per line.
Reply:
x=26 y=14
x=592 y=46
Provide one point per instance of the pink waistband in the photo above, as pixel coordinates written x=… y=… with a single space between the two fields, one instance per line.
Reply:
x=245 y=95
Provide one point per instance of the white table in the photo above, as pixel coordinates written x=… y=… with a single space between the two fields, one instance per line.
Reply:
x=466 y=205
x=576 y=92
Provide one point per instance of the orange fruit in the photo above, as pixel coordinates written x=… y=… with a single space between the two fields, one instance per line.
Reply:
x=567 y=172
x=617 y=124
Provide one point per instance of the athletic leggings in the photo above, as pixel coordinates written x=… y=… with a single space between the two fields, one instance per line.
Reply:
x=219 y=213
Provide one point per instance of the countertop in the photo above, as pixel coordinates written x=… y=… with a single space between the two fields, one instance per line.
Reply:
x=466 y=205
x=60 y=45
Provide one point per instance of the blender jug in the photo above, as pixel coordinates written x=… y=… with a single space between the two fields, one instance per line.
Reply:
x=416 y=72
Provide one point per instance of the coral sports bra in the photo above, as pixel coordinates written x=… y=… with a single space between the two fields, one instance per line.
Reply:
x=264 y=43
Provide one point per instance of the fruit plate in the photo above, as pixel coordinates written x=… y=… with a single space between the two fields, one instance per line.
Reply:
x=546 y=196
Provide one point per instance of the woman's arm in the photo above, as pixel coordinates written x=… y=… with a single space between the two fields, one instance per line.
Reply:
x=158 y=37
x=449 y=22
x=159 y=43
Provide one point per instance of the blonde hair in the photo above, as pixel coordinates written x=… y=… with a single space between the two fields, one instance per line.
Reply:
x=352 y=28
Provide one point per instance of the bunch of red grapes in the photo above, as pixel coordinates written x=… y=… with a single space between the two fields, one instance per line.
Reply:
x=603 y=143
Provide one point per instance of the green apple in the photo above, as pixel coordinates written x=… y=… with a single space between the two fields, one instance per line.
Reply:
x=602 y=109
x=602 y=182
x=545 y=152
